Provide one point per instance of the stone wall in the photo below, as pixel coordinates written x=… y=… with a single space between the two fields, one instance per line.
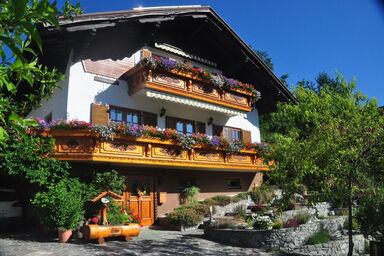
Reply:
x=288 y=238
x=337 y=247
x=320 y=210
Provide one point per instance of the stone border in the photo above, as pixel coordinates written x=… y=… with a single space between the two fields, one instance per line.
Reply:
x=286 y=239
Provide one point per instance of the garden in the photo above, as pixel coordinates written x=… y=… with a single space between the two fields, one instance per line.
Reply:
x=261 y=219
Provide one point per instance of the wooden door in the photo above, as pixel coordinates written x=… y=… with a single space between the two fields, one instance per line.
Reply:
x=140 y=198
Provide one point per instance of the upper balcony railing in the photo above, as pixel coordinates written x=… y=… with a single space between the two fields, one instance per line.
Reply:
x=178 y=78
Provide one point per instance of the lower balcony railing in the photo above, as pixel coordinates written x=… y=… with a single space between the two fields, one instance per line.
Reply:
x=85 y=145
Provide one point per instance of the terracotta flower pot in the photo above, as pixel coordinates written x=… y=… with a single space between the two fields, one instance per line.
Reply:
x=64 y=235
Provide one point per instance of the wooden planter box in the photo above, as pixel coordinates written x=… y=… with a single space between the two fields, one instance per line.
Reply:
x=94 y=231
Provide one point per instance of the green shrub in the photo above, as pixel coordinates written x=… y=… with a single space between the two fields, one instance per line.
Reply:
x=370 y=215
x=222 y=200
x=278 y=224
x=239 y=197
x=199 y=208
x=262 y=222
x=250 y=222
x=186 y=217
x=355 y=224
x=210 y=202
x=320 y=237
x=262 y=194
x=303 y=217
x=61 y=206
x=191 y=194
x=108 y=180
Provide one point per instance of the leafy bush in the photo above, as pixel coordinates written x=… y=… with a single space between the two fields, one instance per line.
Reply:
x=370 y=215
x=199 y=208
x=191 y=194
x=108 y=180
x=303 y=217
x=239 y=197
x=262 y=194
x=320 y=237
x=258 y=208
x=117 y=215
x=291 y=223
x=262 y=222
x=210 y=202
x=355 y=224
x=278 y=224
x=222 y=200
x=186 y=217
x=61 y=206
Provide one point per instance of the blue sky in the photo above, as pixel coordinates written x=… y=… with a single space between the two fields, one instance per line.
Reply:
x=302 y=37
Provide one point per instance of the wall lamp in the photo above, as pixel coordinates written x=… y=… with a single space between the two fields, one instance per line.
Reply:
x=210 y=121
x=162 y=112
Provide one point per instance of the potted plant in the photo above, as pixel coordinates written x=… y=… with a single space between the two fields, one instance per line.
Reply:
x=61 y=206
x=370 y=215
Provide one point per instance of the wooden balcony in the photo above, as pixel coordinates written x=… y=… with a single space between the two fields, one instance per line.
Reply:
x=187 y=86
x=87 y=146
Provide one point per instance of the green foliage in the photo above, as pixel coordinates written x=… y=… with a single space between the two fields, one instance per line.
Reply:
x=320 y=237
x=239 y=197
x=200 y=208
x=24 y=83
x=191 y=194
x=222 y=200
x=61 y=205
x=303 y=217
x=30 y=160
x=370 y=215
x=355 y=224
x=116 y=214
x=332 y=142
x=262 y=194
x=187 y=217
x=278 y=224
x=107 y=180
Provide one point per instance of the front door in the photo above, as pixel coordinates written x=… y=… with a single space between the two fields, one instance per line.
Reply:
x=140 y=198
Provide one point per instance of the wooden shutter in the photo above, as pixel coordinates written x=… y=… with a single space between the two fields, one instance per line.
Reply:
x=99 y=114
x=200 y=127
x=217 y=130
x=149 y=119
x=246 y=136
x=170 y=122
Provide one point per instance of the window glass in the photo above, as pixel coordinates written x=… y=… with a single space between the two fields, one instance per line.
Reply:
x=179 y=126
x=231 y=134
x=189 y=128
x=116 y=115
x=233 y=183
x=135 y=118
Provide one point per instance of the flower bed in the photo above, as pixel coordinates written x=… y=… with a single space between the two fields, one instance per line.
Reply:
x=195 y=140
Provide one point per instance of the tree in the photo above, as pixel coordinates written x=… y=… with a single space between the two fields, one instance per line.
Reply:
x=332 y=141
x=23 y=81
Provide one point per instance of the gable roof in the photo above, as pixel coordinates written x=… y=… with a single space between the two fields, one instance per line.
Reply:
x=196 y=29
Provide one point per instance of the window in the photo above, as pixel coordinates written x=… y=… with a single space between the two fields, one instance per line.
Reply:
x=185 y=126
x=229 y=133
x=233 y=183
x=130 y=116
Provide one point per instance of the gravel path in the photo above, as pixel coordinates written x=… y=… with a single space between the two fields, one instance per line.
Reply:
x=150 y=242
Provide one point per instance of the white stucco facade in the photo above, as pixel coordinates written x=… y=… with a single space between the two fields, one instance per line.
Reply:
x=79 y=90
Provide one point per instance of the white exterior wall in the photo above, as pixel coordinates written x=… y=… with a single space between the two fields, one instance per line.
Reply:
x=57 y=104
x=83 y=91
